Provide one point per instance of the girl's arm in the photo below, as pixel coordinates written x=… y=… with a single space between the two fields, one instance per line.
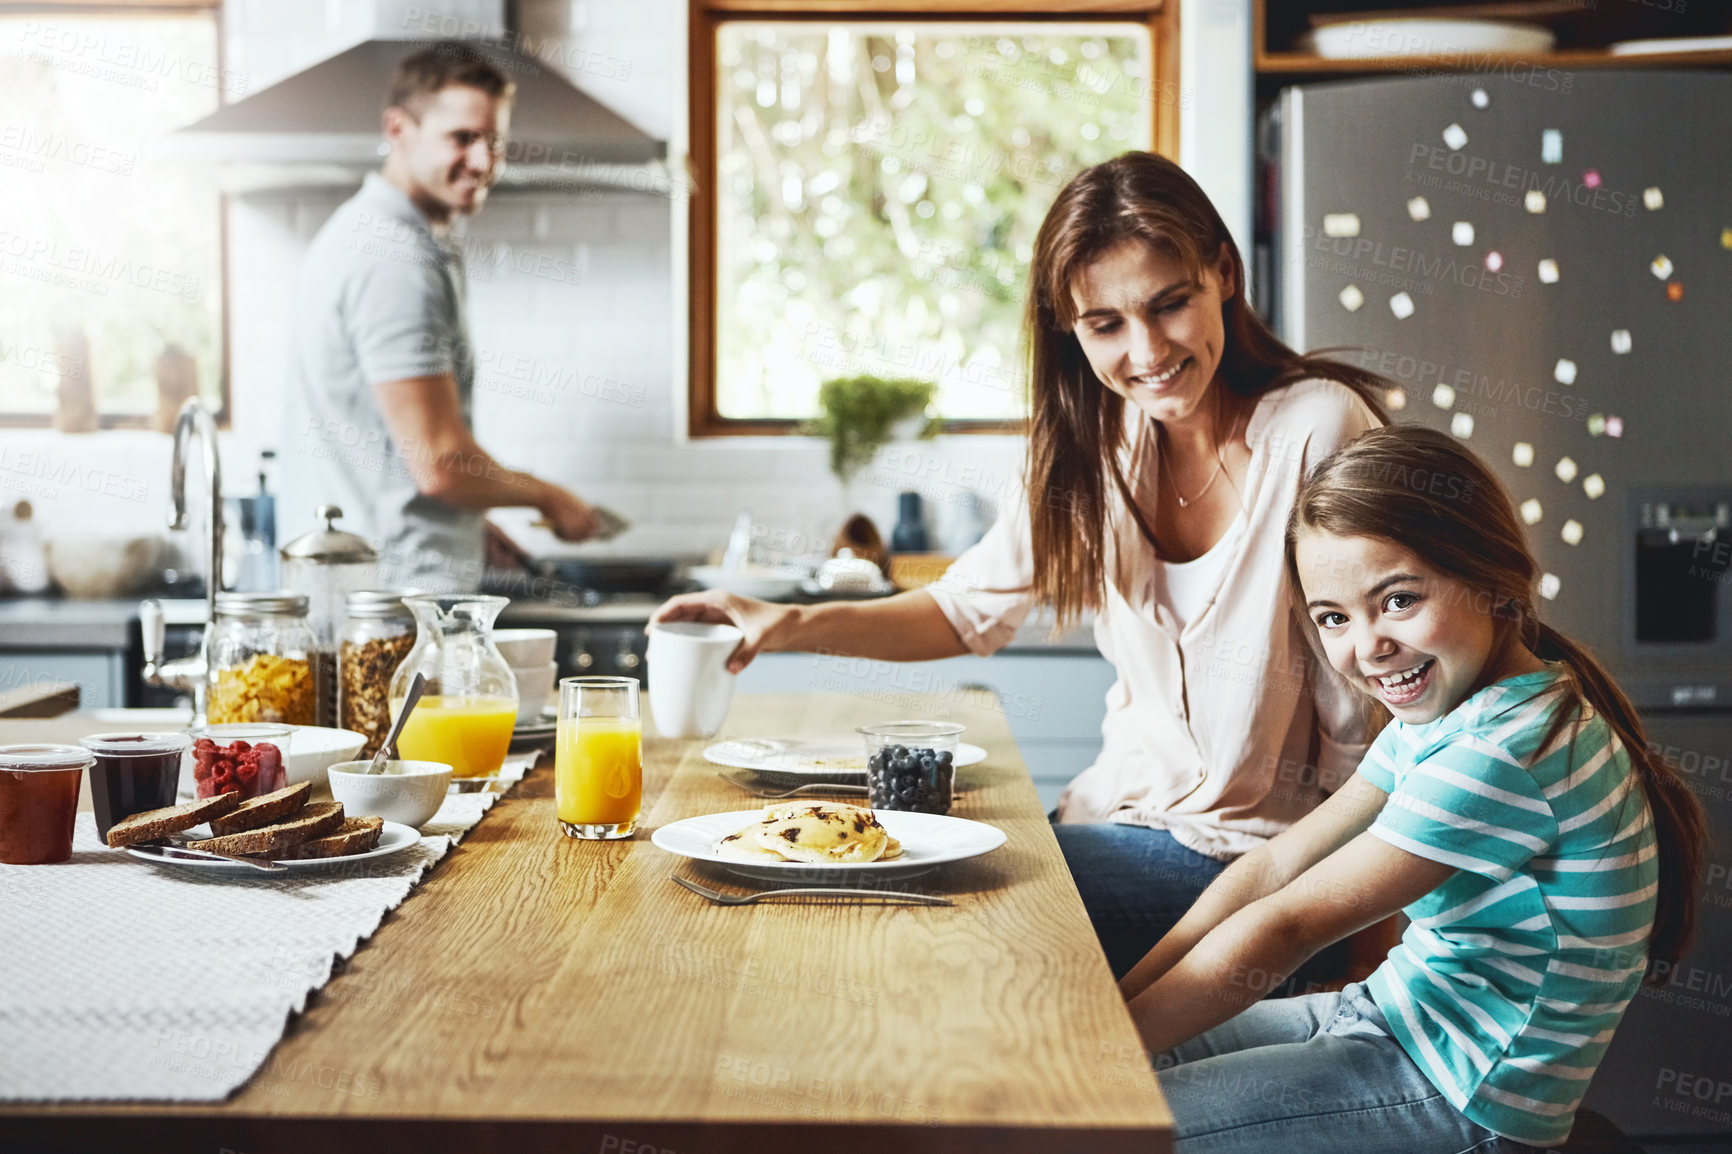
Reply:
x=1255 y=948
x=1345 y=815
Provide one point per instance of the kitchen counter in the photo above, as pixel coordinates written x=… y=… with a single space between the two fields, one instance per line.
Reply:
x=538 y=993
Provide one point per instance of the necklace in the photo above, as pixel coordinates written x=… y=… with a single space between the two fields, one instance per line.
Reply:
x=1220 y=467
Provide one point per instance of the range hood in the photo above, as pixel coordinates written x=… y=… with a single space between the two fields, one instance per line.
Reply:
x=329 y=116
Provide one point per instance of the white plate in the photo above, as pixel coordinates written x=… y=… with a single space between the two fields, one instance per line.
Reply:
x=1421 y=36
x=394 y=838
x=928 y=840
x=831 y=758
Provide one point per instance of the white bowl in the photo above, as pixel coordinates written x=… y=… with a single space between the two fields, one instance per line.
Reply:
x=1420 y=36
x=525 y=648
x=760 y=581
x=313 y=749
x=409 y=792
x=534 y=686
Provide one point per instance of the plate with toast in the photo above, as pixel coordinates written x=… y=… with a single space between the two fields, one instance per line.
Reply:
x=283 y=828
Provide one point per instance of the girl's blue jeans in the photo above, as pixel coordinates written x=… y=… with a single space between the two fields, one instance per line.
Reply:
x=1318 y=1074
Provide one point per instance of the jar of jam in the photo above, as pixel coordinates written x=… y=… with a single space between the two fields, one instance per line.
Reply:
x=134 y=772
x=39 y=801
x=260 y=660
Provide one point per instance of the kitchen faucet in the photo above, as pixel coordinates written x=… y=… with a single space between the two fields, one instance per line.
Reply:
x=188 y=673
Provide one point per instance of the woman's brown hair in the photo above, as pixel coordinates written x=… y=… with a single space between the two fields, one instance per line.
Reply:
x=1076 y=424
x=1421 y=490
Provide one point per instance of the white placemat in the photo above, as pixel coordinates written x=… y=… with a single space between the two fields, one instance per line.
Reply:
x=122 y=979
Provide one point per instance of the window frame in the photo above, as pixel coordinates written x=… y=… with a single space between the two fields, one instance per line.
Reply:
x=213 y=9
x=705 y=20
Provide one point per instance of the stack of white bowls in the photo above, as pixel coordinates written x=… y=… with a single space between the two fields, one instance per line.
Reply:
x=529 y=652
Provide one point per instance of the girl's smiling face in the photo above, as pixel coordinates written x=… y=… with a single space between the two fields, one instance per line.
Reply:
x=1415 y=639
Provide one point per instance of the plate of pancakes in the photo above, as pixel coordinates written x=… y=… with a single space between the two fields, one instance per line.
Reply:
x=792 y=762
x=817 y=841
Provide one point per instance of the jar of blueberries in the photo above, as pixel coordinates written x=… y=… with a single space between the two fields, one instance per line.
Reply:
x=911 y=765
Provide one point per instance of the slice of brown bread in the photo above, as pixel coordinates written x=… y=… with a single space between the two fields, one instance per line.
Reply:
x=356 y=835
x=155 y=823
x=263 y=810
x=315 y=820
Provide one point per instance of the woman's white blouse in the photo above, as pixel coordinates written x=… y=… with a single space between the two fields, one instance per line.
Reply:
x=1209 y=728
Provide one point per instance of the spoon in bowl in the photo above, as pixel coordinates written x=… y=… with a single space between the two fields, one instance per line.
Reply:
x=388 y=747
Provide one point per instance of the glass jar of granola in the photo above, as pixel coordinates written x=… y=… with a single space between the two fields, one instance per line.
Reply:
x=377 y=634
x=260 y=660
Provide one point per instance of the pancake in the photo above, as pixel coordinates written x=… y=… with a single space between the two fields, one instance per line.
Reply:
x=815 y=832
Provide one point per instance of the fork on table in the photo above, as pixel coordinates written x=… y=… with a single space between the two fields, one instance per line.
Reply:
x=722 y=899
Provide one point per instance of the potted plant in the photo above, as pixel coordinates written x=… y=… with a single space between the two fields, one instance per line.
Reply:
x=860 y=415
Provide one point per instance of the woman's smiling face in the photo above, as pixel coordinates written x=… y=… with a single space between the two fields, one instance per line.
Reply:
x=1152 y=334
x=1415 y=639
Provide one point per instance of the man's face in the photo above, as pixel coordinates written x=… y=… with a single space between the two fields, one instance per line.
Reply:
x=451 y=155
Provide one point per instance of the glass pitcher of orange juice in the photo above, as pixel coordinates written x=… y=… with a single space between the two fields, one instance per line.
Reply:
x=469 y=705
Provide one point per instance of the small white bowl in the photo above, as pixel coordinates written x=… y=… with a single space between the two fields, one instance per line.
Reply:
x=759 y=581
x=409 y=792
x=534 y=686
x=313 y=749
x=525 y=648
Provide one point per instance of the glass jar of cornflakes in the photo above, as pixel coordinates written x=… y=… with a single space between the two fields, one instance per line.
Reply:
x=259 y=656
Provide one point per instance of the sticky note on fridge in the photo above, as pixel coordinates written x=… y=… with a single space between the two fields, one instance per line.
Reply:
x=1662 y=266
x=1596 y=424
x=1572 y=532
x=1534 y=201
x=1419 y=208
x=1726 y=238
x=1621 y=340
x=1340 y=224
x=1462 y=232
x=1531 y=511
x=1566 y=469
x=1481 y=98
x=1352 y=298
x=1594 y=486
x=1614 y=426
x=1653 y=198
x=1591 y=178
x=1455 y=136
x=1675 y=291
x=1523 y=454
x=1565 y=371
x=1548 y=271
x=1401 y=305
x=1493 y=261
x=1550 y=586
x=1552 y=146
x=1443 y=397
x=1395 y=399
x=1461 y=425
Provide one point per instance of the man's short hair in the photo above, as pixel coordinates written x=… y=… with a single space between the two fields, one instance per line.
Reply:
x=420 y=75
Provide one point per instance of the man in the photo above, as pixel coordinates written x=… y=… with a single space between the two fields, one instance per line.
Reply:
x=380 y=366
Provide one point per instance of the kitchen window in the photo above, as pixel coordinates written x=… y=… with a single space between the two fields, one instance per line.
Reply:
x=868 y=189
x=111 y=256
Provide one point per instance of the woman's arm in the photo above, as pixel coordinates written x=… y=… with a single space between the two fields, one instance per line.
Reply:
x=1257 y=947
x=906 y=627
x=1262 y=872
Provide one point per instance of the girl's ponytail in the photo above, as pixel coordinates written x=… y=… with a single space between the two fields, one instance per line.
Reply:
x=1680 y=828
x=1421 y=489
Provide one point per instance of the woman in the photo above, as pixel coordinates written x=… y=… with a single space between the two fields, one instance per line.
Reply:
x=1169 y=431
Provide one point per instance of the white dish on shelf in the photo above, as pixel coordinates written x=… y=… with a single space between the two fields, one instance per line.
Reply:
x=393 y=839
x=928 y=840
x=1399 y=38
x=1672 y=44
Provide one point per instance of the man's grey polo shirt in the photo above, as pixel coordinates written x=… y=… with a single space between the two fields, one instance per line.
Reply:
x=381 y=298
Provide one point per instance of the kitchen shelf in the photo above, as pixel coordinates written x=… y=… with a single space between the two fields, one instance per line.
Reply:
x=1305 y=64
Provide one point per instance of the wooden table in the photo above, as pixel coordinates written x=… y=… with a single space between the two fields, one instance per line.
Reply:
x=538 y=992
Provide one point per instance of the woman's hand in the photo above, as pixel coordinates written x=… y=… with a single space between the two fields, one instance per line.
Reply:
x=758 y=620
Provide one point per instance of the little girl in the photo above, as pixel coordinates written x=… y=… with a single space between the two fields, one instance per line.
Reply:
x=1510 y=809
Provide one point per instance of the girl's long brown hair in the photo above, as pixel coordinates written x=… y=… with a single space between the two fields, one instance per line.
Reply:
x=1423 y=491
x=1076 y=424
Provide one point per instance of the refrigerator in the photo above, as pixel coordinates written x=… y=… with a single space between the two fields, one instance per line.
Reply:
x=1541 y=262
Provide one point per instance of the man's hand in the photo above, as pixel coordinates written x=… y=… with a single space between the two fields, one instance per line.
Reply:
x=501 y=551
x=570 y=518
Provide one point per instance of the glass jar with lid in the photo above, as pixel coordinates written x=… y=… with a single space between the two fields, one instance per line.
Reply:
x=258 y=658
x=377 y=634
x=327 y=564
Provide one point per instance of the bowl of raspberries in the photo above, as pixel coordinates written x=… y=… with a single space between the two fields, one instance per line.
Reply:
x=243 y=758
x=910 y=765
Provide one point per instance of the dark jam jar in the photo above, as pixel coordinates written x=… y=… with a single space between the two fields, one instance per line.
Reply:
x=911 y=765
x=39 y=801
x=134 y=772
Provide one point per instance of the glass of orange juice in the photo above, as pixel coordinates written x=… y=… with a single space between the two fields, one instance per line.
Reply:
x=598 y=757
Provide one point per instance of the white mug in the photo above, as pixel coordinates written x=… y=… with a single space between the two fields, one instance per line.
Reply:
x=689 y=683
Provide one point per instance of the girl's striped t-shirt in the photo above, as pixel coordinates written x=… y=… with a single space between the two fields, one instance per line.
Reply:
x=1506 y=987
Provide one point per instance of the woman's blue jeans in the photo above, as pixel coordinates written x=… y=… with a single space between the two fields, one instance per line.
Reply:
x=1318 y=1074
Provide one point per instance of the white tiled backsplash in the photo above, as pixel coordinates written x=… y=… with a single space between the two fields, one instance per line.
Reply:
x=573 y=314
